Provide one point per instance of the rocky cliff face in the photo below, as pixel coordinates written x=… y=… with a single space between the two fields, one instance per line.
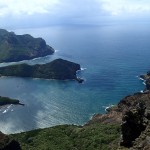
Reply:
x=133 y=114
x=20 y=47
x=134 y=122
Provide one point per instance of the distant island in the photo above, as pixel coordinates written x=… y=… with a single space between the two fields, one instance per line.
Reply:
x=15 y=48
x=7 y=100
x=58 y=69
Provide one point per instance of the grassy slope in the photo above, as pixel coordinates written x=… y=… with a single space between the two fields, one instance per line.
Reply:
x=70 y=137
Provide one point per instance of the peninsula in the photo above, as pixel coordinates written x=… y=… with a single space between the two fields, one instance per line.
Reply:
x=57 y=69
x=15 y=48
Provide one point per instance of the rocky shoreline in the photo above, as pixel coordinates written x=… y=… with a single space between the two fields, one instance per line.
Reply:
x=146 y=78
x=133 y=114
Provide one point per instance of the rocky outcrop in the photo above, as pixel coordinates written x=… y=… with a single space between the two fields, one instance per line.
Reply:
x=80 y=80
x=135 y=118
x=134 y=122
x=143 y=141
x=7 y=144
x=114 y=116
x=21 y=47
x=115 y=113
x=58 y=69
x=146 y=78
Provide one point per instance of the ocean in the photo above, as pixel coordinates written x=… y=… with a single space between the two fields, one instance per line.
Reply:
x=112 y=56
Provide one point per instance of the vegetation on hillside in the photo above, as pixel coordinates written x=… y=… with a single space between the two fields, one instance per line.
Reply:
x=20 y=47
x=70 y=137
x=6 y=100
x=57 y=69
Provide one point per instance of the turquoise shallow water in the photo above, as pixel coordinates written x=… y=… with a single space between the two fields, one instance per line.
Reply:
x=113 y=56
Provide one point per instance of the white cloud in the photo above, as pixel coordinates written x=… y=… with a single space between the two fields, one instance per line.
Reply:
x=46 y=12
x=28 y=7
x=73 y=7
x=123 y=7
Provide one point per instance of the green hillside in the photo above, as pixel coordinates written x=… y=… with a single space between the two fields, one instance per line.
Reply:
x=58 y=69
x=70 y=137
x=20 y=47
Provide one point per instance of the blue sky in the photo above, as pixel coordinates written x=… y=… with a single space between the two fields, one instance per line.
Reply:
x=47 y=12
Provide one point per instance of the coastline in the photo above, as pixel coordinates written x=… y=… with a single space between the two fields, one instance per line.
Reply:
x=132 y=109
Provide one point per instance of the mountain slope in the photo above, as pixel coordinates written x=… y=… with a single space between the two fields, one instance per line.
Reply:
x=58 y=69
x=21 y=47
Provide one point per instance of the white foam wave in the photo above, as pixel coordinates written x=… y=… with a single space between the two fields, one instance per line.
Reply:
x=83 y=69
x=141 y=79
x=107 y=107
x=57 y=50
x=144 y=83
x=38 y=58
x=141 y=91
x=6 y=108
x=5 y=111
x=23 y=61
x=9 y=106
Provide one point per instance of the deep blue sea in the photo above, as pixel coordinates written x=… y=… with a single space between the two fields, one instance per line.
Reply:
x=112 y=56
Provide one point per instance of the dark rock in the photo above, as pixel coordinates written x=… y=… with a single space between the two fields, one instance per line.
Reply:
x=143 y=77
x=133 y=123
x=13 y=145
x=148 y=73
x=80 y=80
x=146 y=77
x=21 y=104
x=147 y=82
x=7 y=144
x=143 y=141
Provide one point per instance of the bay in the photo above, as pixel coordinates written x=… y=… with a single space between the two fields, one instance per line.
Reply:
x=113 y=56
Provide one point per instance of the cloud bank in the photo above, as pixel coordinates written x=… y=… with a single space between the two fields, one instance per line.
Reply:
x=123 y=7
x=69 y=11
